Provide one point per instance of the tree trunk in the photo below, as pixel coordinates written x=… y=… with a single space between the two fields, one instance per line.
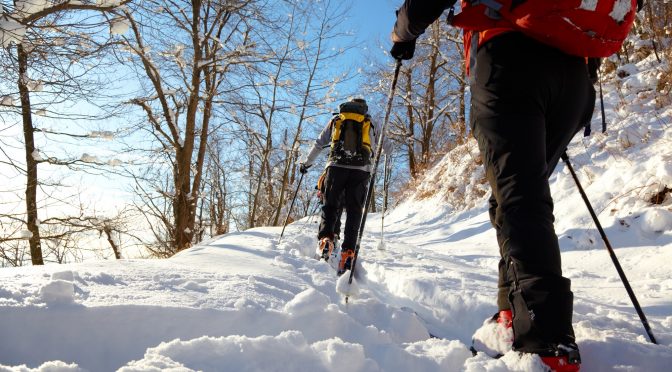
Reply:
x=283 y=184
x=31 y=163
x=222 y=222
x=108 y=232
x=181 y=204
x=257 y=193
x=461 y=130
x=654 y=33
x=202 y=147
x=185 y=212
x=430 y=101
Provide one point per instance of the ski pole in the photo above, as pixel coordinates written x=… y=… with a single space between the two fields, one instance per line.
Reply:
x=290 y=208
x=386 y=179
x=312 y=214
x=369 y=193
x=587 y=130
x=614 y=259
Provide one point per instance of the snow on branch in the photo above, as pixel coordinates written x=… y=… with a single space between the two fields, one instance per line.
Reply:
x=26 y=12
x=29 y=11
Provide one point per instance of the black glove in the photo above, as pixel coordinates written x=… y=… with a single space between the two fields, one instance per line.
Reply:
x=403 y=49
x=303 y=168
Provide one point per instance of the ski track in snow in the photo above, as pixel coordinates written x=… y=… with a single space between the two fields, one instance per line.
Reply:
x=242 y=302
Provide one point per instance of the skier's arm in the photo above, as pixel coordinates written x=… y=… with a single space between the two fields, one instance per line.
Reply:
x=415 y=16
x=322 y=142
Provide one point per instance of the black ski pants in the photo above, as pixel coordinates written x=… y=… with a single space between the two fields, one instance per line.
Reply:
x=348 y=187
x=339 y=211
x=528 y=101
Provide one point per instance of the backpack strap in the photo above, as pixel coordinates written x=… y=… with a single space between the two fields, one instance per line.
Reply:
x=336 y=127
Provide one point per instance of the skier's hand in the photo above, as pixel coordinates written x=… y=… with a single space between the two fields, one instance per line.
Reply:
x=303 y=168
x=403 y=49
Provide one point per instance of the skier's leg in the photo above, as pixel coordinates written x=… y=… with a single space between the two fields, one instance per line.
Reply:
x=503 y=283
x=516 y=80
x=334 y=184
x=355 y=192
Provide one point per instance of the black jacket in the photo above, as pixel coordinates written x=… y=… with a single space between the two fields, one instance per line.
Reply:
x=415 y=16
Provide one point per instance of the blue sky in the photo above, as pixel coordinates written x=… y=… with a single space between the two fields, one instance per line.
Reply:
x=373 y=20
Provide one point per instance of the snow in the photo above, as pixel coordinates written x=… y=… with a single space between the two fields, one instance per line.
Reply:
x=36 y=155
x=58 y=292
x=108 y=3
x=11 y=31
x=89 y=158
x=492 y=338
x=35 y=85
x=7 y=101
x=104 y=134
x=27 y=7
x=244 y=302
x=588 y=4
x=621 y=9
x=658 y=220
x=119 y=26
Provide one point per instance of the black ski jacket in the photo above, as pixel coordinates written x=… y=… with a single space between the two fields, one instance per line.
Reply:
x=415 y=16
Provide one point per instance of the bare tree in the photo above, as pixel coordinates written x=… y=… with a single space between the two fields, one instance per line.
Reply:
x=183 y=51
x=47 y=38
x=428 y=117
x=215 y=214
x=284 y=94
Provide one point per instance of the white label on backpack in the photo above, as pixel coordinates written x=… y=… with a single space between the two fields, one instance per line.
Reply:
x=621 y=9
x=589 y=4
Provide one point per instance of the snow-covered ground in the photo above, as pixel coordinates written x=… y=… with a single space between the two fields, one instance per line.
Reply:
x=243 y=302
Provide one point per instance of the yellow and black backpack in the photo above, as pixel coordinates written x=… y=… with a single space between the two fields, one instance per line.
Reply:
x=350 y=139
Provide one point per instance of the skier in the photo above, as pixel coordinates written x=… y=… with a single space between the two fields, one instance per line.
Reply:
x=350 y=135
x=528 y=99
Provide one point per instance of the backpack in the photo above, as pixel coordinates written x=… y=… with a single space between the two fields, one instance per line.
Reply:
x=350 y=139
x=586 y=28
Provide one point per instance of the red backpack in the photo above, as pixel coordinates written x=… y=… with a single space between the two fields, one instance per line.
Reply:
x=586 y=28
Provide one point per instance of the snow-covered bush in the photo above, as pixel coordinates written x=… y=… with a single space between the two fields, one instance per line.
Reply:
x=458 y=179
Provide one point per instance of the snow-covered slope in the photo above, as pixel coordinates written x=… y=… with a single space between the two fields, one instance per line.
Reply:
x=243 y=302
